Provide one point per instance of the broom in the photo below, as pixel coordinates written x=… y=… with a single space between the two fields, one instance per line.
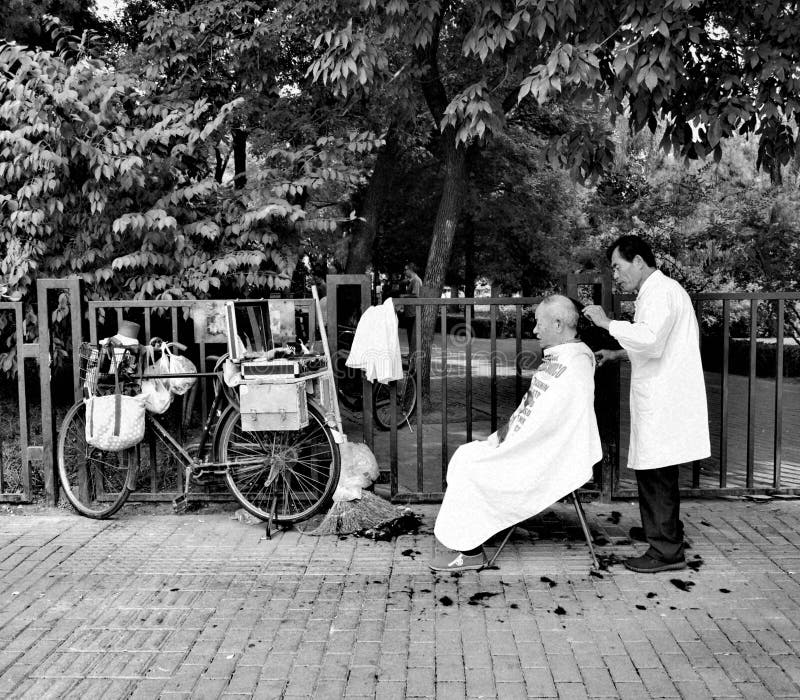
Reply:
x=354 y=508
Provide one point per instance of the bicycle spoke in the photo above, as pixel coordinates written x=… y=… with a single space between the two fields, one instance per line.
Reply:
x=94 y=481
x=296 y=470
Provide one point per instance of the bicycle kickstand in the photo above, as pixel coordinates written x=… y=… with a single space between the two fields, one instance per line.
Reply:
x=181 y=503
x=268 y=533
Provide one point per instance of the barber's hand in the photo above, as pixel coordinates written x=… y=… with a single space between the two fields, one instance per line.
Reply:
x=596 y=315
x=603 y=356
x=501 y=434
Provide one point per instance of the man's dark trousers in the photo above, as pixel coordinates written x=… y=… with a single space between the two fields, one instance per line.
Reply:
x=659 y=505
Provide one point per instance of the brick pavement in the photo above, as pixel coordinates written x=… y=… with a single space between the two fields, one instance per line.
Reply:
x=197 y=606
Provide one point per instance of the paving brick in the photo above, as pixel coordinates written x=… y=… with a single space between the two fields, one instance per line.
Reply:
x=539 y=682
x=658 y=683
x=451 y=690
x=598 y=683
x=718 y=682
x=696 y=690
x=753 y=691
x=777 y=682
x=390 y=690
x=572 y=691
x=621 y=668
x=449 y=668
x=420 y=682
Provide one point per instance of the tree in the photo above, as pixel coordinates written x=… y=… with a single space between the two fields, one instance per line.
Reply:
x=103 y=179
x=27 y=21
x=702 y=69
x=97 y=181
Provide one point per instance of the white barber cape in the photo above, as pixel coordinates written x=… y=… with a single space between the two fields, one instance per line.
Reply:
x=551 y=446
x=376 y=346
x=669 y=415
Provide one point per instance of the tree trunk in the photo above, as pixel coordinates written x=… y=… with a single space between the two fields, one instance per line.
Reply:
x=363 y=237
x=444 y=229
x=239 y=158
x=775 y=174
x=469 y=260
x=219 y=165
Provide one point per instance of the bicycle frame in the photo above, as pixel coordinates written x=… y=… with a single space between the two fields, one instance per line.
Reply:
x=193 y=466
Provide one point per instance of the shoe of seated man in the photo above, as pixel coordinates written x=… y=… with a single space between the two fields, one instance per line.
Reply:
x=458 y=561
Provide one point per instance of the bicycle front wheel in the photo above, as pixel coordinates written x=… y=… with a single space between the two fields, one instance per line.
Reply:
x=95 y=482
x=405 y=400
x=292 y=473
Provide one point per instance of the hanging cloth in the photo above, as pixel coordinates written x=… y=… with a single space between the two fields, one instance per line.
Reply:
x=376 y=345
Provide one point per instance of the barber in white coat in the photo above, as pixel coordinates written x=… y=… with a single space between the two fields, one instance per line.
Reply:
x=669 y=415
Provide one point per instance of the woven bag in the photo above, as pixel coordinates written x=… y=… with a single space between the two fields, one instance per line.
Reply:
x=114 y=422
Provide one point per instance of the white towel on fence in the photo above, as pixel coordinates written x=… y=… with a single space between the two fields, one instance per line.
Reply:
x=376 y=346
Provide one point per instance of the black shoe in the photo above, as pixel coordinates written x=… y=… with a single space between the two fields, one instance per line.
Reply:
x=646 y=564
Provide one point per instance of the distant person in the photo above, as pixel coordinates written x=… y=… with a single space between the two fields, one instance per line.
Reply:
x=413 y=288
x=669 y=415
x=544 y=452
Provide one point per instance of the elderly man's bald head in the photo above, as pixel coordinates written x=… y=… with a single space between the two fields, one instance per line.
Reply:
x=556 y=321
x=563 y=309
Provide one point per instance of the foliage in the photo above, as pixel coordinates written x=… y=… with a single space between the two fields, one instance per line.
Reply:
x=714 y=227
x=704 y=70
x=26 y=21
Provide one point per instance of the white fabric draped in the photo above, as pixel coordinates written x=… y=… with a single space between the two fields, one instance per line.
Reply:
x=376 y=346
x=550 y=449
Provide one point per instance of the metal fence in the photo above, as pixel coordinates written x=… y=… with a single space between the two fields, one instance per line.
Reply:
x=753 y=396
x=482 y=355
x=477 y=378
x=476 y=383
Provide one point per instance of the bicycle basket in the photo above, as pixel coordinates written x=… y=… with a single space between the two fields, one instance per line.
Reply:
x=100 y=365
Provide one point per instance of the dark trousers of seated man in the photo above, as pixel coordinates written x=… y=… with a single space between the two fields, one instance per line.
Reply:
x=659 y=506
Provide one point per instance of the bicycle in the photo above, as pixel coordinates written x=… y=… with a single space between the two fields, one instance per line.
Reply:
x=349 y=388
x=280 y=476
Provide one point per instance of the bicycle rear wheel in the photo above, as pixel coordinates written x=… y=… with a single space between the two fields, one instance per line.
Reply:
x=293 y=471
x=406 y=401
x=95 y=482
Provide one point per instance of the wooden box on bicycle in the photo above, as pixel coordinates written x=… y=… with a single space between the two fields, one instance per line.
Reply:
x=274 y=404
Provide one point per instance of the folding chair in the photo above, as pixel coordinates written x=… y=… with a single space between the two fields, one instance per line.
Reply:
x=584 y=526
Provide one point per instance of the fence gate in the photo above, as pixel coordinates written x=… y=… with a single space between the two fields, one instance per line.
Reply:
x=32 y=439
x=15 y=453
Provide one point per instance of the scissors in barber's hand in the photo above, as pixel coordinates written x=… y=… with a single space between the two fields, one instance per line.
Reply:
x=595 y=313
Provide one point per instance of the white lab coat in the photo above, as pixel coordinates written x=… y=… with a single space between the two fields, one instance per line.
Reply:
x=551 y=446
x=669 y=415
x=376 y=346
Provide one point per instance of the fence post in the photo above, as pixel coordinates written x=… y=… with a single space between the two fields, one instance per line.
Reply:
x=73 y=287
x=356 y=291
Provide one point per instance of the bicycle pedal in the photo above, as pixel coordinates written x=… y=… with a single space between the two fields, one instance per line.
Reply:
x=180 y=503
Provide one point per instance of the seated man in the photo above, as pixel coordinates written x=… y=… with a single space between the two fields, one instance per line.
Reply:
x=546 y=450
